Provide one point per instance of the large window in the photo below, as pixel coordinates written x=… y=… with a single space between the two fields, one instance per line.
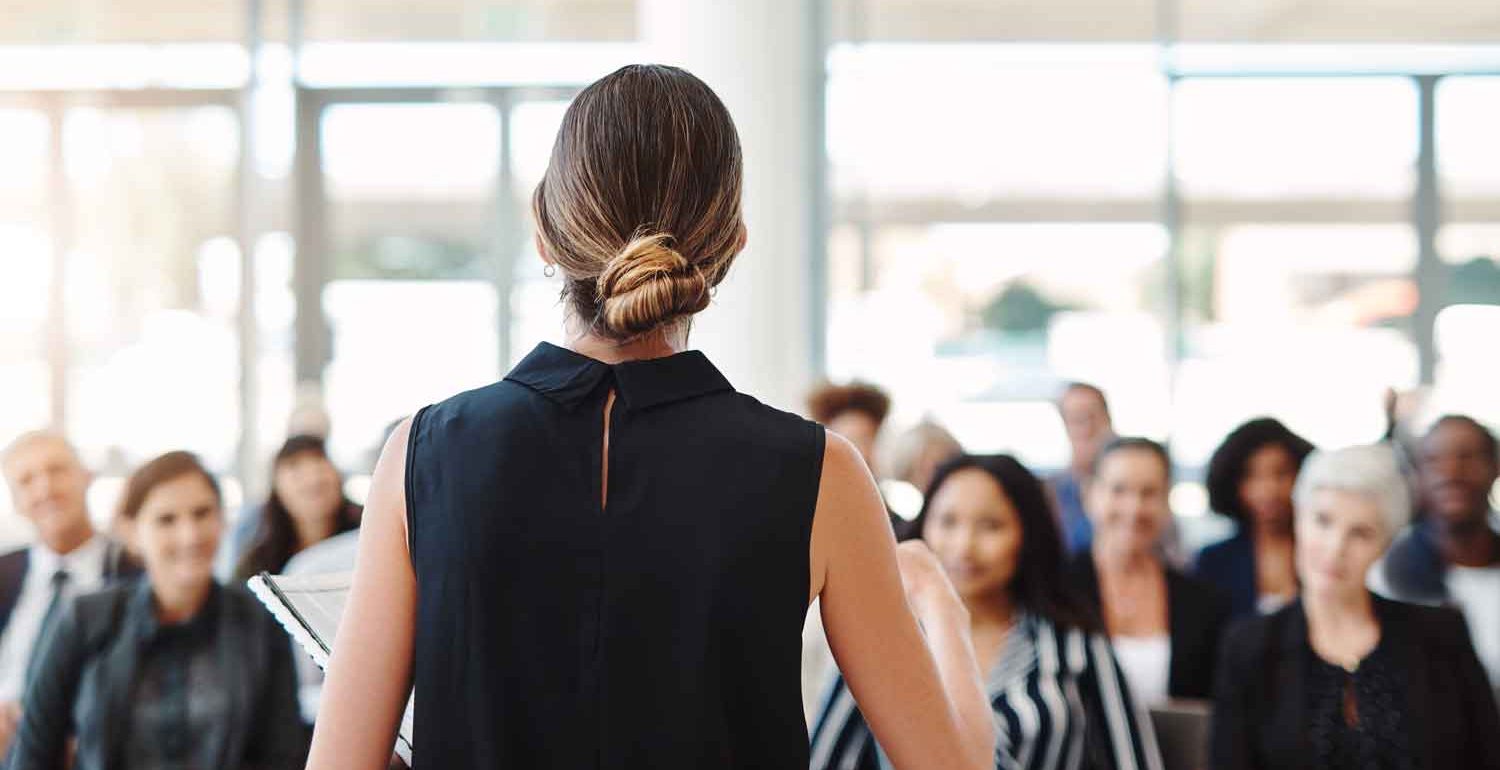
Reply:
x=995 y=233
x=1469 y=246
x=1005 y=216
x=1281 y=139
x=1295 y=241
x=973 y=275
x=25 y=269
x=152 y=282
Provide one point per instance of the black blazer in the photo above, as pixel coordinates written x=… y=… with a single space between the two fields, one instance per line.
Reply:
x=1196 y=615
x=88 y=667
x=14 y=565
x=1260 y=702
x=1230 y=566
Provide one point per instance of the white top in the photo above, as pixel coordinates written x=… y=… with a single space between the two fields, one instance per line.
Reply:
x=336 y=554
x=1147 y=663
x=85 y=568
x=1476 y=591
x=1266 y=604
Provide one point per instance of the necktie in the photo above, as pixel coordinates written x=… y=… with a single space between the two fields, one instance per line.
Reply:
x=59 y=584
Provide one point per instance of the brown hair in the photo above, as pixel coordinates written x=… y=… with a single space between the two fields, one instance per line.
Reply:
x=168 y=467
x=828 y=401
x=275 y=540
x=640 y=205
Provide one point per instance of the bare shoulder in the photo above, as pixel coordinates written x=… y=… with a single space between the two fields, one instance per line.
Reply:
x=849 y=516
x=388 y=486
x=395 y=443
x=843 y=467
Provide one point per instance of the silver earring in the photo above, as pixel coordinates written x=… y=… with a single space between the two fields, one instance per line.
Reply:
x=550 y=270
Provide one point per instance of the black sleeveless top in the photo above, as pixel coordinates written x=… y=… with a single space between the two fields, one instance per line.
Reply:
x=660 y=631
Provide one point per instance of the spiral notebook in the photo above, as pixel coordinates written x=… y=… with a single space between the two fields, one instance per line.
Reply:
x=309 y=608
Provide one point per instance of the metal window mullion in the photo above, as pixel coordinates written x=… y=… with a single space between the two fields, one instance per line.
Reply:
x=1426 y=218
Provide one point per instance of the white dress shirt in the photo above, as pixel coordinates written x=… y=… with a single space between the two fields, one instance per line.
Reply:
x=1147 y=664
x=1476 y=592
x=85 y=568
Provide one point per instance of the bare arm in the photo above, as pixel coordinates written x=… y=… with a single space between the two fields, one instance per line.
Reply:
x=921 y=693
x=369 y=672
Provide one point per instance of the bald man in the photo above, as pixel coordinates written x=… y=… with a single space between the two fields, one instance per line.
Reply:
x=48 y=484
x=1451 y=555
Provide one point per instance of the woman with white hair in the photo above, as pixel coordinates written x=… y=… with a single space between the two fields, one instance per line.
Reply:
x=1342 y=678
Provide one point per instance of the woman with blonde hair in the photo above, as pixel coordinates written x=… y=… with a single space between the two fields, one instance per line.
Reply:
x=605 y=560
x=1342 y=678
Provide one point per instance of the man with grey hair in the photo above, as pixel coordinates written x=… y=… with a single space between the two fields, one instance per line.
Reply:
x=1451 y=555
x=48 y=485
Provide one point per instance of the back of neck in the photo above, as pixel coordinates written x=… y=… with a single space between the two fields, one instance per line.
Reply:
x=667 y=341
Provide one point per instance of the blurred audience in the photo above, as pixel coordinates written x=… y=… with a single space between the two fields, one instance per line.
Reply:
x=1250 y=480
x=857 y=412
x=1058 y=696
x=915 y=454
x=1165 y=626
x=1341 y=678
x=1452 y=554
x=306 y=506
x=1085 y=417
x=1080 y=618
x=174 y=671
x=48 y=485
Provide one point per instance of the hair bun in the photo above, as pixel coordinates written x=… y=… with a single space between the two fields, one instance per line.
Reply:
x=646 y=285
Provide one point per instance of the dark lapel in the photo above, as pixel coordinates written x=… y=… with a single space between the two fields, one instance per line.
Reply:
x=1396 y=630
x=1285 y=735
x=1084 y=579
x=120 y=665
x=239 y=669
x=1182 y=629
x=1241 y=577
x=13 y=568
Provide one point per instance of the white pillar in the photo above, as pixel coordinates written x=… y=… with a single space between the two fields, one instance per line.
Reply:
x=764 y=59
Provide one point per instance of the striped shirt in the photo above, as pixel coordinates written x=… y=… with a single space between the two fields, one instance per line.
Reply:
x=1060 y=703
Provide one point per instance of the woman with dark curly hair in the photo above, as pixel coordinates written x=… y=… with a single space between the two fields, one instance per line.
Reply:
x=1250 y=479
x=856 y=411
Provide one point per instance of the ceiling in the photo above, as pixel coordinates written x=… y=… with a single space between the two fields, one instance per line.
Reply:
x=1269 y=21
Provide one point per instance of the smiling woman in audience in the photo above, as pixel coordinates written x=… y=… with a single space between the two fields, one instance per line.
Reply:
x=307 y=506
x=175 y=671
x=1164 y=625
x=1057 y=694
x=1342 y=678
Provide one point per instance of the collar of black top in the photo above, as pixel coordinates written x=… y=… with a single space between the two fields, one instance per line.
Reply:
x=569 y=378
x=150 y=629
